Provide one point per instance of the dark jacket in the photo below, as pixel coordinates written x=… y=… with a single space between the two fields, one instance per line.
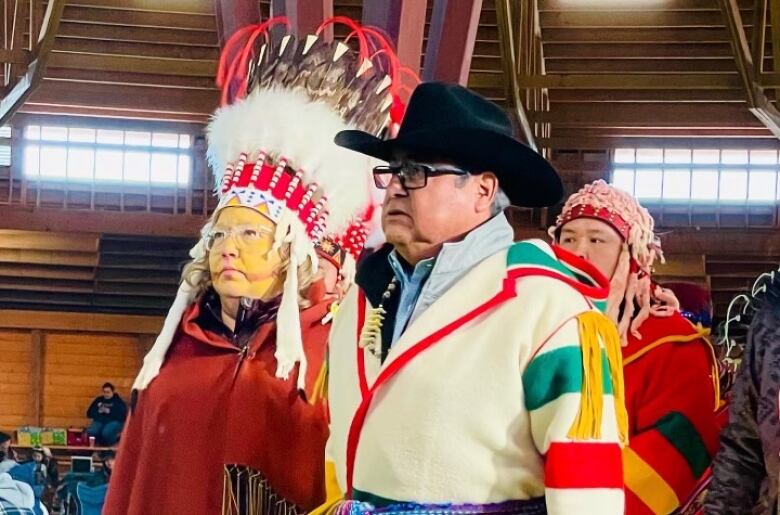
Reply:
x=117 y=409
x=745 y=470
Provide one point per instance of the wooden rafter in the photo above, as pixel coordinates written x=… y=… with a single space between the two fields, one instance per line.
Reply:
x=649 y=115
x=509 y=46
x=611 y=142
x=774 y=16
x=681 y=81
x=759 y=36
x=16 y=93
x=757 y=102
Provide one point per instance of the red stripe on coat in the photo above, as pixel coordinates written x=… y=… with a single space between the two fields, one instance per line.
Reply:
x=583 y=465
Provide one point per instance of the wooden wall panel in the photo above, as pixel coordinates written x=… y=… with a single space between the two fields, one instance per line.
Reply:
x=15 y=349
x=76 y=365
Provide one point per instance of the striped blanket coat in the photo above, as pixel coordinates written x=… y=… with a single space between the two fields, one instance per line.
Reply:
x=507 y=388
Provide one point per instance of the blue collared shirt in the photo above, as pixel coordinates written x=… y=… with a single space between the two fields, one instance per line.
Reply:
x=421 y=285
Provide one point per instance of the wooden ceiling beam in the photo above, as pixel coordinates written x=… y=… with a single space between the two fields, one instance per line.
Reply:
x=757 y=131
x=170 y=6
x=635 y=5
x=646 y=95
x=106 y=15
x=682 y=81
x=619 y=35
x=404 y=22
x=628 y=65
x=169 y=35
x=114 y=113
x=138 y=49
x=451 y=38
x=635 y=50
x=607 y=18
x=646 y=115
x=148 y=224
x=119 y=63
x=132 y=79
x=758 y=104
x=138 y=98
x=608 y=143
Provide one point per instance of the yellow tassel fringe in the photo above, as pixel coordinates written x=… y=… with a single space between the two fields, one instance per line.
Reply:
x=596 y=330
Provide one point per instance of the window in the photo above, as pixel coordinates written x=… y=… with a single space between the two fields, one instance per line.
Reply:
x=673 y=175
x=131 y=157
x=5 y=148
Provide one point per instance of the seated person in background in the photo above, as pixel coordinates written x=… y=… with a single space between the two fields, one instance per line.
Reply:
x=7 y=461
x=107 y=458
x=108 y=413
x=16 y=498
x=46 y=471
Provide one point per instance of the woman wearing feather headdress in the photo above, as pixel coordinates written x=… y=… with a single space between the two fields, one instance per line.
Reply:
x=229 y=415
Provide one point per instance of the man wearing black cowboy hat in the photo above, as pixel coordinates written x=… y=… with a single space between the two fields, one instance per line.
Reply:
x=469 y=374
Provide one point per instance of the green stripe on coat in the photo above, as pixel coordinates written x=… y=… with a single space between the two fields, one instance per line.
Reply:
x=682 y=434
x=558 y=372
x=524 y=253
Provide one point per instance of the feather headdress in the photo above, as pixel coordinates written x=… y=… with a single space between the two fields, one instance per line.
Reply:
x=283 y=100
x=631 y=284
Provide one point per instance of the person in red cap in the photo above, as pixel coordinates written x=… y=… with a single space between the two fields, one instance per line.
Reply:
x=230 y=415
x=670 y=372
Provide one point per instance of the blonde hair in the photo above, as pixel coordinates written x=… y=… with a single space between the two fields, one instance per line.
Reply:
x=197 y=272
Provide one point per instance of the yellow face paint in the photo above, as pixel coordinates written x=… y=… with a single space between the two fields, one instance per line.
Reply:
x=241 y=262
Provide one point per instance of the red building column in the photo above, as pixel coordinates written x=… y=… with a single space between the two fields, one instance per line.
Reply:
x=451 y=40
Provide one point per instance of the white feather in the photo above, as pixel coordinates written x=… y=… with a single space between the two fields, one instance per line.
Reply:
x=154 y=359
x=287 y=123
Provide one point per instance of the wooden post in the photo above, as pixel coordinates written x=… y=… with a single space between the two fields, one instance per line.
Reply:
x=404 y=23
x=37 y=355
x=234 y=14
x=451 y=40
x=304 y=15
x=774 y=14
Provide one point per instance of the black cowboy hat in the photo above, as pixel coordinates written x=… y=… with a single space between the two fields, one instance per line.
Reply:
x=449 y=121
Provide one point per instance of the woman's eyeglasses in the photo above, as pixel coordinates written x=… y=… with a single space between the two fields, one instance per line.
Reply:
x=413 y=176
x=244 y=236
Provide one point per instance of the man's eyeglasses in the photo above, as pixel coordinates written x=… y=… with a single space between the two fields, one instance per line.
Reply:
x=244 y=235
x=413 y=176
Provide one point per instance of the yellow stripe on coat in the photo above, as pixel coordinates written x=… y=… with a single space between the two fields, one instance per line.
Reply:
x=646 y=484
x=333 y=494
